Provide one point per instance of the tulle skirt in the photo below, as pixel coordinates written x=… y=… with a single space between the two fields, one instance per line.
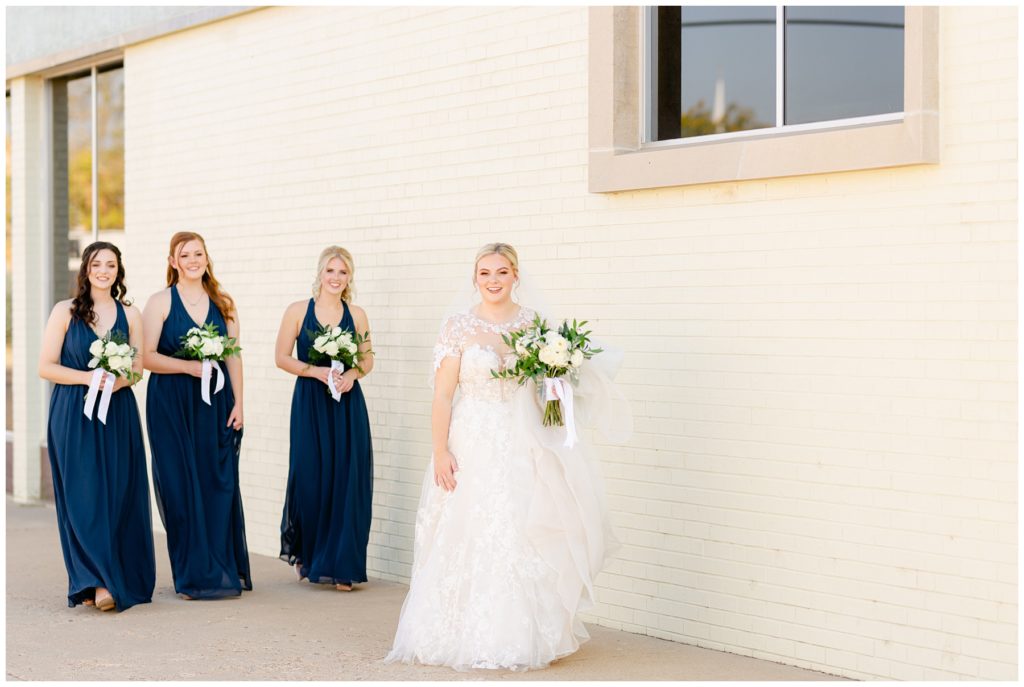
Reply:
x=503 y=564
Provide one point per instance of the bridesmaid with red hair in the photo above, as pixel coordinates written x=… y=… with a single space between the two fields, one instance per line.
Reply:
x=195 y=445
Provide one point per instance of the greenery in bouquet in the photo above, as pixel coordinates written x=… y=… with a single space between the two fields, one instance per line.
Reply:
x=337 y=344
x=542 y=352
x=207 y=343
x=112 y=353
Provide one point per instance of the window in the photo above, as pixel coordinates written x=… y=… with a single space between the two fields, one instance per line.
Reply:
x=715 y=70
x=89 y=195
x=842 y=62
x=789 y=91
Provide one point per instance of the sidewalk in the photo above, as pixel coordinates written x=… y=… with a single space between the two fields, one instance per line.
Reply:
x=283 y=630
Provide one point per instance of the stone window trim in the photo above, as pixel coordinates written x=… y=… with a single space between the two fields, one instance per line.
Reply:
x=620 y=161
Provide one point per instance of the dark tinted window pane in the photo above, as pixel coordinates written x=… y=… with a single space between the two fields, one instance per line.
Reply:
x=727 y=59
x=665 y=77
x=843 y=62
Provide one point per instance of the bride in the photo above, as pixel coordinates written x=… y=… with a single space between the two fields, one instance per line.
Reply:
x=511 y=528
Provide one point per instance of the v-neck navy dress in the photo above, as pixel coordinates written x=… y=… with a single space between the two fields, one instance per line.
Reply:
x=325 y=526
x=195 y=471
x=100 y=487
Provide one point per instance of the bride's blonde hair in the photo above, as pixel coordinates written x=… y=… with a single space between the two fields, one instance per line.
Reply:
x=504 y=250
x=328 y=254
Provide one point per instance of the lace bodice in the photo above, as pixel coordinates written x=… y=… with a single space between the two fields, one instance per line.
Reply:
x=478 y=345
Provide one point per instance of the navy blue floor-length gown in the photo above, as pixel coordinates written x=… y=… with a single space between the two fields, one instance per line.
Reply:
x=100 y=486
x=195 y=471
x=326 y=522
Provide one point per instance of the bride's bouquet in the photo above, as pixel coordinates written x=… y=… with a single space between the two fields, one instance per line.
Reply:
x=341 y=347
x=208 y=345
x=112 y=357
x=549 y=356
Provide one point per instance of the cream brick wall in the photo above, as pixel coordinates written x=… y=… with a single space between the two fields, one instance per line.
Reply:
x=822 y=369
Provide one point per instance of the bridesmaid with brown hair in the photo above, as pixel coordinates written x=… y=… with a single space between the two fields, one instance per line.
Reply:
x=100 y=487
x=195 y=445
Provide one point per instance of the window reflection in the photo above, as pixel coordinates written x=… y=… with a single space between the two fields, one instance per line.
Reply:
x=843 y=62
x=110 y=139
x=713 y=70
x=728 y=69
x=79 y=175
x=73 y=210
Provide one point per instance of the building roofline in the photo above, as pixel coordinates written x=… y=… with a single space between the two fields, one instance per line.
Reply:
x=112 y=46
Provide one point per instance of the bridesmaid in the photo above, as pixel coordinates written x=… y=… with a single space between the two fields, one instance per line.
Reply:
x=326 y=522
x=100 y=485
x=195 y=446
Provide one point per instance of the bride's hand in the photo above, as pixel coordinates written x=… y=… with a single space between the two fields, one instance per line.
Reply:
x=445 y=467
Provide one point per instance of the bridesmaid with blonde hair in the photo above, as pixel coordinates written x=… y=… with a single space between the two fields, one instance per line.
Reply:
x=325 y=526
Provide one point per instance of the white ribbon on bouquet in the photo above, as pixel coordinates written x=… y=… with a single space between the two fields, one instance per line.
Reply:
x=559 y=389
x=208 y=366
x=104 y=397
x=335 y=365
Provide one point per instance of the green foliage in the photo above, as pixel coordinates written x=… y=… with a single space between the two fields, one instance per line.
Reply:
x=111 y=191
x=325 y=333
x=697 y=120
x=110 y=144
x=538 y=350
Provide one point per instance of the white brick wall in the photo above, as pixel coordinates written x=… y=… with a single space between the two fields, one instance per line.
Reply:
x=822 y=369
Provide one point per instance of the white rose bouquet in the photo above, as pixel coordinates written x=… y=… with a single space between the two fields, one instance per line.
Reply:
x=111 y=358
x=206 y=344
x=547 y=356
x=113 y=354
x=340 y=346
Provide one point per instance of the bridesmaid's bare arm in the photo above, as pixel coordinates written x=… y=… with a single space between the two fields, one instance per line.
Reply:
x=234 y=365
x=53 y=340
x=362 y=325
x=363 y=328
x=286 y=335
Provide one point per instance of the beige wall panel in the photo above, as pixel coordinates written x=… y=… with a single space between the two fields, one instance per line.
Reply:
x=822 y=368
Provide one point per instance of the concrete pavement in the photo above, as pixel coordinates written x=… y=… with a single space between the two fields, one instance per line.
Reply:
x=283 y=630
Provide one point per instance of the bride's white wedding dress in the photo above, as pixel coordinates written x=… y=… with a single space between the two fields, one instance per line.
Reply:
x=503 y=563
